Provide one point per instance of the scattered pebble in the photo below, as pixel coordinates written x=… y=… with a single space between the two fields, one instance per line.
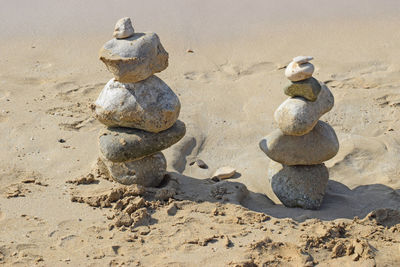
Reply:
x=201 y=164
x=172 y=209
x=61 y=140
x=224 y=173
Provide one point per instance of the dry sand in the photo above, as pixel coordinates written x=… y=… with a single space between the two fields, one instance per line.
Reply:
x=229 y=88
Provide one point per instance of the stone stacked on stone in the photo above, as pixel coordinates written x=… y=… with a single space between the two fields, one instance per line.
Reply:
x=139 y=109
x=303 y=142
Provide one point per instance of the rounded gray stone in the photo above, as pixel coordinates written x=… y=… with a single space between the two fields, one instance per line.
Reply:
x=299 y=186
x=309 y=89
x=134 y=58
x=148 y=171
x=148 y=105
x=298 y=116
x=122 y=144
x=319 y=145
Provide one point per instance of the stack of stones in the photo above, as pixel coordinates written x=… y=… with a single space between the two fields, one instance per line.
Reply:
x=139 y=109
x=302 y=143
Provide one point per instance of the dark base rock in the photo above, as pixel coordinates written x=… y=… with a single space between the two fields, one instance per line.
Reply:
x=125 y=144
x=299 y=186
x=148 y=171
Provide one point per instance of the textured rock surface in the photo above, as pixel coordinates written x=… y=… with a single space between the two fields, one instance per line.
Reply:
x=135 y=58
x=299 y=186
x=319 y=145
x=309 y=89
x=123 y=28
x=149 y=105
x=297 y=72
x=122 y=144
x=297 y=116
x=148 y=171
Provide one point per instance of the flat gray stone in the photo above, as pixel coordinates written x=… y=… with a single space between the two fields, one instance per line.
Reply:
x=148 y=105
x=298 y=116
x=319 y=145
x=299 y=186
x=135 y=58
x=297 y=72
x=123 y=144
x=302 y=59
x=148 y=171
x=309 y=89
x=123 y=28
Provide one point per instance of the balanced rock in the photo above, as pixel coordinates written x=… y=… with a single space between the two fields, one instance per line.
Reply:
x=299 y=186
x=149 y=105
x=148 y=171
x=309 y=89
x=135 y=58
x=317 y=146
x=298 y=116
x=299 y=71
x=123 y=144
x=302 y=59
x=123 y=28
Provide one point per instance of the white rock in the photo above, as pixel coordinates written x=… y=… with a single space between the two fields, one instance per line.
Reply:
x=148 y=105
x=123 y=28
x=224 y=172
x=297 y=72
x=302 y=59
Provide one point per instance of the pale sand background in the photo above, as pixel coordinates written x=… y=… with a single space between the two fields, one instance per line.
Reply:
x=229 y=88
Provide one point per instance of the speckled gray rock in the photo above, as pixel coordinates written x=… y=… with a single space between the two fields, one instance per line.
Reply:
x=122 y=144
x=149 y=105
x=297 y=72
x=148 y=171
x=298 y=116
x=309 y=89
x=317 y=146
x=123 y=28
x=135 y=58
x=299 y=186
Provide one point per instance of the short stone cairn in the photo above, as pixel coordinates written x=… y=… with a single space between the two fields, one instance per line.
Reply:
x=302 y=143
x=139 y=109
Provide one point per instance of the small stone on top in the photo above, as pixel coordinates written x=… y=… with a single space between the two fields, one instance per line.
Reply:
x=302 y=59
x=123 y=28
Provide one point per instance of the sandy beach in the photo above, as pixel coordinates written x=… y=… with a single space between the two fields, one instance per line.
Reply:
x=229 y=85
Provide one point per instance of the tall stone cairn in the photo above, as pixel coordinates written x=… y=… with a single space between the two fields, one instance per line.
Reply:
x=139 y=109
x=302 y=143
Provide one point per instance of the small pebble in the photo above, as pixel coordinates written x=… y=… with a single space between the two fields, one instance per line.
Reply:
x=201 y=164
x=224 y=172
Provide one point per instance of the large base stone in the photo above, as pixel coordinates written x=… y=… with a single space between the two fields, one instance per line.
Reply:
x=299 y=186
x=148 y=171
x=124 y=144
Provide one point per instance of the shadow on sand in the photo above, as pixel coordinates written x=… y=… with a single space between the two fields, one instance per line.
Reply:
x=339 y=202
